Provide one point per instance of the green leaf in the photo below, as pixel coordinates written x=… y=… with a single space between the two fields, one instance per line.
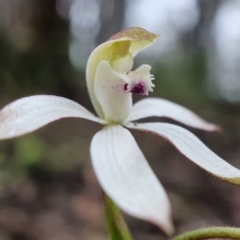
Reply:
x=117 y=228
x=210 y=233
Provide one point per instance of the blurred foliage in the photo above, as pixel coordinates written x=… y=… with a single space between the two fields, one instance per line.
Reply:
x=29 y=151
x=183 y=80
x=42 y=69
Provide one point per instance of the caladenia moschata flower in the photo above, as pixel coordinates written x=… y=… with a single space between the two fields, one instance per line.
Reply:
x=119 y=164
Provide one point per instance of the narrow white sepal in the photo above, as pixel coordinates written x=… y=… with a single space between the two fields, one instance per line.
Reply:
x=190 y=146
x=126 y=177
x=30 y=113
x=157 y=107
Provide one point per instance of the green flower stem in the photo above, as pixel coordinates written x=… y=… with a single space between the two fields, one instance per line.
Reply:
x=211 y=233
x=117 y=228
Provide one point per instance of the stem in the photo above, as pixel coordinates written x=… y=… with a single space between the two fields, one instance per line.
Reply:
x=117 y=227
x=210 y=233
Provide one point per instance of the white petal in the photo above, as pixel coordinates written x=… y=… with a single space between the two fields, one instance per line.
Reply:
x=109 y=89
x=144 y=69
x=103 y=52
x=126 y=177
x=190 y=146
x=30 y=113
x=163 y=108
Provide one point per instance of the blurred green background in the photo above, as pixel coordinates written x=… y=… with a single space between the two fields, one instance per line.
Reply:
x=48 y=190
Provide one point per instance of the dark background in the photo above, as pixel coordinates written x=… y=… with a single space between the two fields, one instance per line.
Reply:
x=48 y=190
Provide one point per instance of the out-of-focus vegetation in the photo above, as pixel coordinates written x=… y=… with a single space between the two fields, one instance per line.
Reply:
x=47 y=187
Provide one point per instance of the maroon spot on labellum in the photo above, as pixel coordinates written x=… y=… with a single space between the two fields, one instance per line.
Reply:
x=125 y=87
x=139 y=88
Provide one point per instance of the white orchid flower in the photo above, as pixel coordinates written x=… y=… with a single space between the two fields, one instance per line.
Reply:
x=119 y=164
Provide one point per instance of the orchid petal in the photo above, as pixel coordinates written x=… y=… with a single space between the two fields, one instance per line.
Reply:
x=122 y=64
x=119 y=51
x=163 y=108
x=144 y=69
x=190 y=146
x=30 y=113
x=140 y=38
x=126 y=177
x=109 y=89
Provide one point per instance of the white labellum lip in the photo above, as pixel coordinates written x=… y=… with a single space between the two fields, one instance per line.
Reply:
x=139 y=83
